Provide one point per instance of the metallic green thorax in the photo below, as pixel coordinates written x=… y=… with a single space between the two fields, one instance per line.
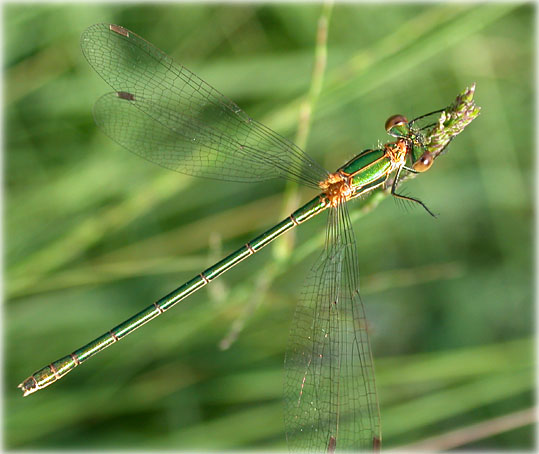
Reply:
x=367 y=168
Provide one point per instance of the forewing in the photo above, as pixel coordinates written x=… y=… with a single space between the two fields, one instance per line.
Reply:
x=196 y=130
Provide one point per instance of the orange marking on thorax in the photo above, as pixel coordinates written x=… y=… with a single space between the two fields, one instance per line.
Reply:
x=337 y=189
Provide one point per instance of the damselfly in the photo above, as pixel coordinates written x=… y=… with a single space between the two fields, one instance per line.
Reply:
x=166 y=114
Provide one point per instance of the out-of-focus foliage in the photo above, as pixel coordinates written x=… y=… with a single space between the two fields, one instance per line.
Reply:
x=94 y=234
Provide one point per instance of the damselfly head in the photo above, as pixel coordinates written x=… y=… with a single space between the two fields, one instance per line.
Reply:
x=397 y=126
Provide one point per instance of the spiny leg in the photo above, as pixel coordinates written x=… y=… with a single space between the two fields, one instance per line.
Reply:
x=409 y=169
x=405 y=197
x=435 y=112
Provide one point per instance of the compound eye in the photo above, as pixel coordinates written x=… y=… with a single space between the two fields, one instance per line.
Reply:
x=424 y=162
x=397 y=125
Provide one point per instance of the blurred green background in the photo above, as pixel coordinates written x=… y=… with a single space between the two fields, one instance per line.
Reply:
x=94 y=233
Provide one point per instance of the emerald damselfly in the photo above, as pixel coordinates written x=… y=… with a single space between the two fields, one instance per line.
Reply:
x=164 y=113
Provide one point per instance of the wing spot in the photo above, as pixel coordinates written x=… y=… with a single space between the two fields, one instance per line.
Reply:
x=119 y=29
x=125 y=95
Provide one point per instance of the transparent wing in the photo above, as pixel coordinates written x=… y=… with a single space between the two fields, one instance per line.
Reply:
x=166 y=114
x=330 y=395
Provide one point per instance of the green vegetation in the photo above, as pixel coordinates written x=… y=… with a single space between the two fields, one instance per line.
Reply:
x=94 y=233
